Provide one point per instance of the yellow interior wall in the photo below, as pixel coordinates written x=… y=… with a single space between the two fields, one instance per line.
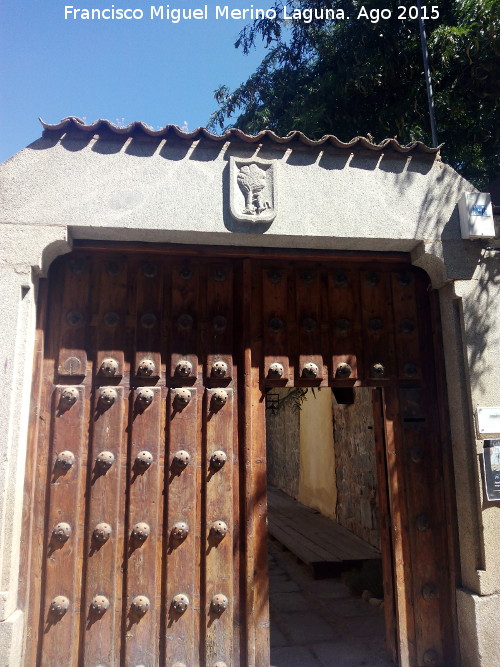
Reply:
x=317 y=483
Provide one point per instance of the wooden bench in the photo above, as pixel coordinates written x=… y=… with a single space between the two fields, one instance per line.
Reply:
x=321 y=543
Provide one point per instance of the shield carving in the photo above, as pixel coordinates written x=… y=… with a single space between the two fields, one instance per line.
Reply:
x=252 y=189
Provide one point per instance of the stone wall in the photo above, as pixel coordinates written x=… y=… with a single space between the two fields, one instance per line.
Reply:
x=283 y=445
x=355 y=465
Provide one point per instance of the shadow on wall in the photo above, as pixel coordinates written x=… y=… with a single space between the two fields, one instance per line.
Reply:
x=464 y=260
x=481 y=323
x=403 y=172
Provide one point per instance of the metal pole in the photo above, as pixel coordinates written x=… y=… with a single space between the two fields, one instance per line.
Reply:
x=425 y=55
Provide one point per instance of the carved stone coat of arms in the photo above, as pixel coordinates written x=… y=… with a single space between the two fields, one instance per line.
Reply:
x=252 y=189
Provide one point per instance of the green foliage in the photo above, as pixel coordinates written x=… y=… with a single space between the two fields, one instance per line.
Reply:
x=294 y=397
x=355 y=77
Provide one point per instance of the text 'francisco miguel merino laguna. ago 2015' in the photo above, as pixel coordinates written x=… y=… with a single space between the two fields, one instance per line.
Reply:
x=225 y=13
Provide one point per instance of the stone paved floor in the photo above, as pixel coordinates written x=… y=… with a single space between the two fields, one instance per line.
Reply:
x=318 y=623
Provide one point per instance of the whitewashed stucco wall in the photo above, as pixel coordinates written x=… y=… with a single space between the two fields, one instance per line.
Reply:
x=139 y=190
x=65 y=187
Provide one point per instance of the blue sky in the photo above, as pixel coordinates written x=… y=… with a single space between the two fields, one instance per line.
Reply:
x=154 y=71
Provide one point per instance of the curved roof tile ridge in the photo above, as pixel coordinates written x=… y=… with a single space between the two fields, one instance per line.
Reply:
x=235 y=133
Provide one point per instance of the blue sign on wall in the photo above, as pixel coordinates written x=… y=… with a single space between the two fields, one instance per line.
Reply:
x=479 y=209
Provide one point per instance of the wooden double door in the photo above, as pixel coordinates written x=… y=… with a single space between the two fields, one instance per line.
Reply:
x=145 y=537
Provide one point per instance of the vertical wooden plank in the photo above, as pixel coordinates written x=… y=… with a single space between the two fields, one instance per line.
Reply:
x=406 y=325
x=110 y=308
x=182 y=574
x=219 y=531
x=308 y=300
x=261 y=580
x=345 y=324
x=148 y=278
x=248 y=430
x=384 y=526
x=238 y=538
x=185 y=316
x=259 y=477
x=72 y=354
x=100 y=630
x=143 y=575
x=416 y=464
x=103 y=580
x=254 y=467
x=219 y=317
x=219 y=635
x=275 y=321
x=33 y=531
x=378 y=324
x=402 y=556
x=143 y=553
x=418 y=482
x=422 y=478
x=427 y=501
x=62 y=574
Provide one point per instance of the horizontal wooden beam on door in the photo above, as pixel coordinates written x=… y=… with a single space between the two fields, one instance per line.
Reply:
x=213 y=251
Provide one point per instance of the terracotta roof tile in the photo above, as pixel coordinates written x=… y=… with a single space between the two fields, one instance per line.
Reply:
x=72 y=122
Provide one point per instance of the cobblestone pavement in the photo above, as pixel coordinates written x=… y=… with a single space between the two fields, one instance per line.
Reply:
x=318 y=623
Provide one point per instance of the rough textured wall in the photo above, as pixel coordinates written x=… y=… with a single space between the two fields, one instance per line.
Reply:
x=317 y=484
x=355 y=465
x=282 y=439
